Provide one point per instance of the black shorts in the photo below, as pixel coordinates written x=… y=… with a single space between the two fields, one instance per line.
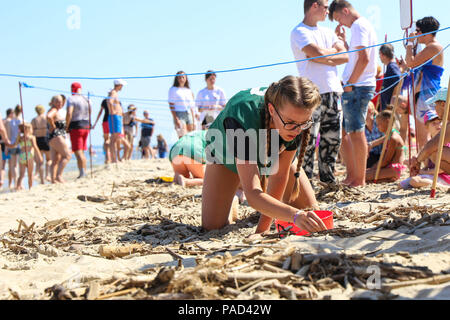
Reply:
x=372 y=160
x=42 y=143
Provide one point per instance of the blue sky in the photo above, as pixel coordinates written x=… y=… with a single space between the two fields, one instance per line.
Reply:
x=146 y=37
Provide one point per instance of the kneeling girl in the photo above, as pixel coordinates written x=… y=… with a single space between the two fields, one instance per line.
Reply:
x=284 y=112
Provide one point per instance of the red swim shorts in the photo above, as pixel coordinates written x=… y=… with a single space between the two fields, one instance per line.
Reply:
x=105 y=127
x=78 y=138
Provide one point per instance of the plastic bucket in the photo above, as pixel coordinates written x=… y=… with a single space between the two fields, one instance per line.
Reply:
x=326 y=216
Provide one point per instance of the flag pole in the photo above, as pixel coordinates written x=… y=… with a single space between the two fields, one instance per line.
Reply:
x=90 y=133
x=441 y=145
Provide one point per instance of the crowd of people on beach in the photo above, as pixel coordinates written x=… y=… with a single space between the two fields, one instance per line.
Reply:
x=44 y=146
x=338 y=118
x=343 y=118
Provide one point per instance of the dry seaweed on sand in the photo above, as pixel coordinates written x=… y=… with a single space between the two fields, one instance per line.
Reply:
x=339 y=193
x=260 y=273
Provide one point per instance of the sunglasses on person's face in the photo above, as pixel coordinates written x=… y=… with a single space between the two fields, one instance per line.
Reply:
x=291 y=126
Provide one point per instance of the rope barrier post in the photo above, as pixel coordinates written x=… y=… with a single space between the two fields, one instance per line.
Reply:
x=409 y=133
x=397 y=92
x=441 y=145
x=414 y=103
x=24 y=131
x=90 y=133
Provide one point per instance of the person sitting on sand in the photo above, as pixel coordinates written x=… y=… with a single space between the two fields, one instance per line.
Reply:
x=392 y=164
x=284 y=110
x=372 y=135
x=424 y=177
x=188 y=159
x=431 y=148
x=28 y=150
x=59 y=150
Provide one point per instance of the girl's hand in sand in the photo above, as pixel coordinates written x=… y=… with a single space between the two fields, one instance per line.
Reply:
x=310 y=222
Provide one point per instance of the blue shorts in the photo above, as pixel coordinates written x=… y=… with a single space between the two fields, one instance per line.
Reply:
x=355 y=105
x=162 y=154
x=115 y=124
x=5 y=157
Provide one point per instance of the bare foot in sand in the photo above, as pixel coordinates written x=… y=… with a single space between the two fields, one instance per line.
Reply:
x=356 y=185
x=60 y=180
x=346 y=183
x=234 y=214
x=241 y=196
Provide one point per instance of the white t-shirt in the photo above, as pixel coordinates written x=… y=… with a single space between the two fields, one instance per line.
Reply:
x=363 y=34
x=323 y=76
x=209 y=98
x=182 y=98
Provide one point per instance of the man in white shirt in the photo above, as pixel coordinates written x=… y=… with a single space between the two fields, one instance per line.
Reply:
x=308 y=40
x=359 y=80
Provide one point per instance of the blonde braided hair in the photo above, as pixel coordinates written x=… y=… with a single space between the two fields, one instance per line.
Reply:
x=299 y=92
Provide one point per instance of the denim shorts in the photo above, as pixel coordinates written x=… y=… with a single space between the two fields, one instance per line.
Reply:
x=354 y=106
x=186 y=116
x=14 y=151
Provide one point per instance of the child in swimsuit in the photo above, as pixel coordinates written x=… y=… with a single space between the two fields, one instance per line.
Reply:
x=392 y=165
x=28 y=150
x=425 y=177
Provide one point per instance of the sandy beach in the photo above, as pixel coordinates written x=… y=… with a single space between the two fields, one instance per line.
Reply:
x=125 y=235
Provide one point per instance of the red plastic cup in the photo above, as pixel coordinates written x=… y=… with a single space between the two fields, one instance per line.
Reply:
x=325 y=216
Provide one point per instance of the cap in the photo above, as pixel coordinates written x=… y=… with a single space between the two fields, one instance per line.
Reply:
x=441 y=95
x=429 y=116
x=119 y=82
x=75 y=87
x=131 y=108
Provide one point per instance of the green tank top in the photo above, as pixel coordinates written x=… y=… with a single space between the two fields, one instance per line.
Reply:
x=191 y=145
x=247 y=109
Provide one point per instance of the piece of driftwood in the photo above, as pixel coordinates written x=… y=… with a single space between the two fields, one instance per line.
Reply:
x=117 y=251
x=379 y=215
x=258 y=275
x=433 y=280
x=117 y=294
